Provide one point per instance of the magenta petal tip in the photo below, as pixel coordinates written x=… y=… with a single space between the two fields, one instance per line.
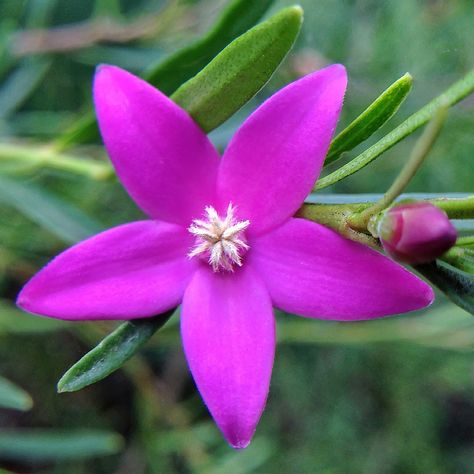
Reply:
x=240 y=444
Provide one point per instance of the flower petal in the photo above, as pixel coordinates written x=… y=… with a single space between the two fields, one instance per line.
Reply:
x=228 y=333
x=162 y=157
x=275 y=157
x=312 y=271
x=131 y=271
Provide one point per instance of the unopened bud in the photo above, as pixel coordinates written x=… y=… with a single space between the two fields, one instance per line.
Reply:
x=417 y=232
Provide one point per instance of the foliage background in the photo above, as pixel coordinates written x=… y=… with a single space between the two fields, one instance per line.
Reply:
x=391 y=396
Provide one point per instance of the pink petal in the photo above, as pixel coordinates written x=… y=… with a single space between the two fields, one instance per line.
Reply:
x=276 y=156
x=312 y=271
x=131 y=271
x=228 y=333
x=162 y=157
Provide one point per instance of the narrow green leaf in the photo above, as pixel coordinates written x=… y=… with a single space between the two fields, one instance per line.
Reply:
x=112 y=352
x=49 y=445
x=458 y=208
x=371 y=119
x=181 y=66
x=14 y=397
x=460 y=258
x=466 y=242
x=436 y=198
x=21 y=83
x=240 y=70
x=458 y=286
x=15 y=321
x=450 y=97
x=60 y=218
x=33 y=158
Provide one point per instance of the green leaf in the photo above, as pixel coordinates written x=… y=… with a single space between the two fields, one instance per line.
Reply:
x=240 y=70
x=458 y=286
x=437 y=199
x=13 y=397
x=458 y=208
x=450 y=97
x=21 y=83
x=460 y=258
x=15 y=321
x=49 y=445
x=61 y=219
x=371 y=119
x=113 y=351
x=181 y=66
x=466 y=242
x=31 y=158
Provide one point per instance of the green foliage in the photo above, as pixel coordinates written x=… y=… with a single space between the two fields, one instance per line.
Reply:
x=450 y=97
x=371 y=119
x=457 y=285
x=111 y=353
x=50 y=445
x=13 y=397
x=240 y=71
x=181 y=66
x=60 y=218
x=236 y=19
x=21 y=83
x=386 y=396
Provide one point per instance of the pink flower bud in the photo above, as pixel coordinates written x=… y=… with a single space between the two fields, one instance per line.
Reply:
x=417 y=232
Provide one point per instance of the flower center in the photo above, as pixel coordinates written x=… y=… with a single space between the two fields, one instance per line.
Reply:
x=220 y=240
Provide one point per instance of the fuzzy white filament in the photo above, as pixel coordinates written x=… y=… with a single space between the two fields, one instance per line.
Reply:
x=221 y=240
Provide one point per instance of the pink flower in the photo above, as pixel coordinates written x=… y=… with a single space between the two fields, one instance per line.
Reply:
x=416 y=232
x=221 y=238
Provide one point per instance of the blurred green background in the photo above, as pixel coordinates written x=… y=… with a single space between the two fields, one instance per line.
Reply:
x=389 y=396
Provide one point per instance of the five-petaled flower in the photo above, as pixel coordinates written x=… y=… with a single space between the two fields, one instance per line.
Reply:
x=222 y=238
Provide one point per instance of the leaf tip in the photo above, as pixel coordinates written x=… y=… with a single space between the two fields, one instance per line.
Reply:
x=28 y=402
x=407 y=78
x=296 y=11
x=62 y=385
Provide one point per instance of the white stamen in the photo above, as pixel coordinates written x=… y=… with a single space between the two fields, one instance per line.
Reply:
x=222 y=241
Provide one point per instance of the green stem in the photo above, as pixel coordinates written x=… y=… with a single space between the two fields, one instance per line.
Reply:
x=451 y=96
x=37 y=157
x=422 y=147
x=467 y=241
x=459 y=258
x=456 y=208
x=336 y=216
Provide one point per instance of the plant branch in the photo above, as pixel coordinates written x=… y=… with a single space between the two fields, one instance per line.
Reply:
x=421 y=150
x=449 y=97
x=37 y=157
x=456 y=208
